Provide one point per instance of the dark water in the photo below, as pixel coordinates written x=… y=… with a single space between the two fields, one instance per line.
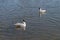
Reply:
x=46 y=27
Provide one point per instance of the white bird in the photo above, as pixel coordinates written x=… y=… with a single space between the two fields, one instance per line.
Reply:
x=21 y=25
x=42 y=10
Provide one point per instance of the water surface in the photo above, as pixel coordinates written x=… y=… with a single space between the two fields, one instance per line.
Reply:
x=46 y=27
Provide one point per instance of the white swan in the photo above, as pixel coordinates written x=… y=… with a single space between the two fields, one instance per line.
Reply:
x=21 y=25
x=41 y=10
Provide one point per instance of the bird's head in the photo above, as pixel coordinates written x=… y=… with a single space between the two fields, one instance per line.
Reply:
x=23 y=20
x=39 y=8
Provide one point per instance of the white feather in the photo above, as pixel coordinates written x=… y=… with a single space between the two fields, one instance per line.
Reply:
x=42 y=11
x=22 y=25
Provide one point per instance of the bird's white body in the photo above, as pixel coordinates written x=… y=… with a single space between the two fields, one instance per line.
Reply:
x=22 y=25
x=42 y=11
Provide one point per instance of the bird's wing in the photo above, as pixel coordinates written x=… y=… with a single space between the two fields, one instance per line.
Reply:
x=18 y=24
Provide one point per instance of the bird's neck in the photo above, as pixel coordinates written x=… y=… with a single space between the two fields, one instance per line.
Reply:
x=24 y=22
x=40 y=9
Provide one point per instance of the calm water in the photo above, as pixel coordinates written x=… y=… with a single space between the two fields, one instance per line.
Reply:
x=46 y=27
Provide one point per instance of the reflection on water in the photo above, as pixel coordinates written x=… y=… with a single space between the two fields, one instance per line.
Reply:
x=46 y=27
